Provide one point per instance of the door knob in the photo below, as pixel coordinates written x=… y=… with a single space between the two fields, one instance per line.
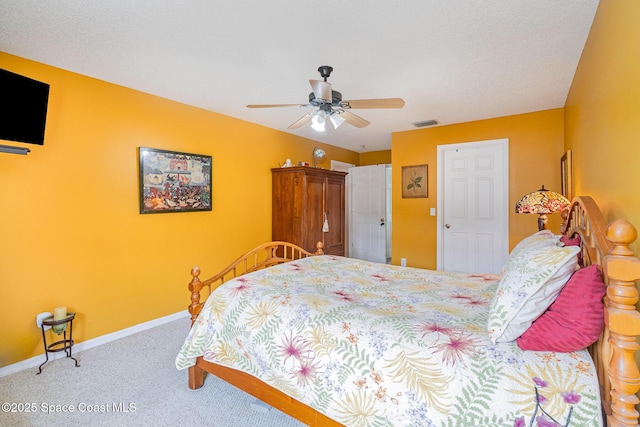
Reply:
x=381 y=221
x=447 y=226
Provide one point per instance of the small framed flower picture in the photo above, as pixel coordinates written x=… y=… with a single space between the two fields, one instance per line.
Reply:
x=415 y=183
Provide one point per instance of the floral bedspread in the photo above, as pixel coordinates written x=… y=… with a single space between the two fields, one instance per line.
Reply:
x=379 y=345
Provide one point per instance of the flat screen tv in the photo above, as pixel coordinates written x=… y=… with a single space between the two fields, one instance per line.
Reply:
x=23 y=108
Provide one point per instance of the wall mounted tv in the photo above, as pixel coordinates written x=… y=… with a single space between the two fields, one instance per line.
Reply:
x=23 y=108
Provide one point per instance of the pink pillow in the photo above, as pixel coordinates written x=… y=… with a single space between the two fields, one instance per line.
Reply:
x=574 y=320
x=572 y=241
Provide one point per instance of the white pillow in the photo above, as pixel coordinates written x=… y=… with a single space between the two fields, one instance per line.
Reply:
x=530 y=282
x=539 y=239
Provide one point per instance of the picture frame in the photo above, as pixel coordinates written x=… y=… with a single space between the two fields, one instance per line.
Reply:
x=173 y=181
x=566 y=183
x=415 y=183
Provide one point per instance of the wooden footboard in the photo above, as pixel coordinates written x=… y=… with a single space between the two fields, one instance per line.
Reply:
x=614 y=352
x=269 y=395
x=263 y=256
x=258 y=258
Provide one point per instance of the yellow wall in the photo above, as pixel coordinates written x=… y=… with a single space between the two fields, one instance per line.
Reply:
x=375 y=158
x=70 y=231
x=535 y=149
x=603 y=113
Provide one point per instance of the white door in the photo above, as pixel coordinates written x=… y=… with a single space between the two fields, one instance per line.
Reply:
x=473 y=224
x=368 y=213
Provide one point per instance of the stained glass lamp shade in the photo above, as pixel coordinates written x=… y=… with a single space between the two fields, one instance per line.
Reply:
x=542 y=202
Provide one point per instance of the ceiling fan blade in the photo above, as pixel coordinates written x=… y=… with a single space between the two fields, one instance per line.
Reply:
x=301 y=121
x=321 y=90
x=373 y=103
x=354 y=120
x=275 y=105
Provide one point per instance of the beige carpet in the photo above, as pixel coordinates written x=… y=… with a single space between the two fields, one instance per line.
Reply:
x=129 y=382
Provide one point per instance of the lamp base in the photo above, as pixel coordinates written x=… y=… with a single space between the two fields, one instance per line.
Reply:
x=542 y=222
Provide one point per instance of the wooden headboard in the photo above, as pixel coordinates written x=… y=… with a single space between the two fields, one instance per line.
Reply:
x=614 y=352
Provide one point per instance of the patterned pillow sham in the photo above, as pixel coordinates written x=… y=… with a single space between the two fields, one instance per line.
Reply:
x=530 y=282
x=539 y=239
x=574 y=320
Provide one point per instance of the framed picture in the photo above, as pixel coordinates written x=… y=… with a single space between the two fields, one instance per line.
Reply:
x=565 y=175
x=415 y=183
x=171 y=181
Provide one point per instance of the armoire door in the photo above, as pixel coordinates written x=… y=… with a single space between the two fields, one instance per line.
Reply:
x=313 y=212
x=335 y=209
x=287 y=207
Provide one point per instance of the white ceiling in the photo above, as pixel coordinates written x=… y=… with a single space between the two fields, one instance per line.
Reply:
x=450 y=60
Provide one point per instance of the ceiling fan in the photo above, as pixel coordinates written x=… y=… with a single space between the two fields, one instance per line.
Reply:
x=331 y=106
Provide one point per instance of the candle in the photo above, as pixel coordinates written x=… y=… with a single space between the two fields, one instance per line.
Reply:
x=59 y=313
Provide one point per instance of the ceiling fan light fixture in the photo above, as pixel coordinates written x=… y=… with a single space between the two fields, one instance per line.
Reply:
x=318 y=121
x=336 y=119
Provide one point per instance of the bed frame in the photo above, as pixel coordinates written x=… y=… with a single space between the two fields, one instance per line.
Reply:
x=613 y=353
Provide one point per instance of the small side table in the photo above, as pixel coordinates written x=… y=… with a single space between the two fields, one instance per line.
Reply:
x=61 y=345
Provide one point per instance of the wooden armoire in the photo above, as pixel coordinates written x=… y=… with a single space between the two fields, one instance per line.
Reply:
x=303 y=198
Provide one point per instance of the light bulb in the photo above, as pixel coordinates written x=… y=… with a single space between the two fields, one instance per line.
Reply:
x=318 y=120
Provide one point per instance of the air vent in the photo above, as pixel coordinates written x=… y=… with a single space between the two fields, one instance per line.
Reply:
x=425 y=123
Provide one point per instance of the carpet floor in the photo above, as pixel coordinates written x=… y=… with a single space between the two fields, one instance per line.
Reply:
x=132 y=381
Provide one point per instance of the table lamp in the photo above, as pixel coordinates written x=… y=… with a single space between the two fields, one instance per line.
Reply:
x=542 y=202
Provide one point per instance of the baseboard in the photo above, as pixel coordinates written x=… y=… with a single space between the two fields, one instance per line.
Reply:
x=36 y=361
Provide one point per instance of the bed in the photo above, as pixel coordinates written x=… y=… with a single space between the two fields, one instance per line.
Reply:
x=336 y=341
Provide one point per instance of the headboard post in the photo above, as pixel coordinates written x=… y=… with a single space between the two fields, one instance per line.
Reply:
x=622 y=269
x=614 y=352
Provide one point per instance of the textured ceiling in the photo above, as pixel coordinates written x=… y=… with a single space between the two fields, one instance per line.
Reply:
x=450 y=60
